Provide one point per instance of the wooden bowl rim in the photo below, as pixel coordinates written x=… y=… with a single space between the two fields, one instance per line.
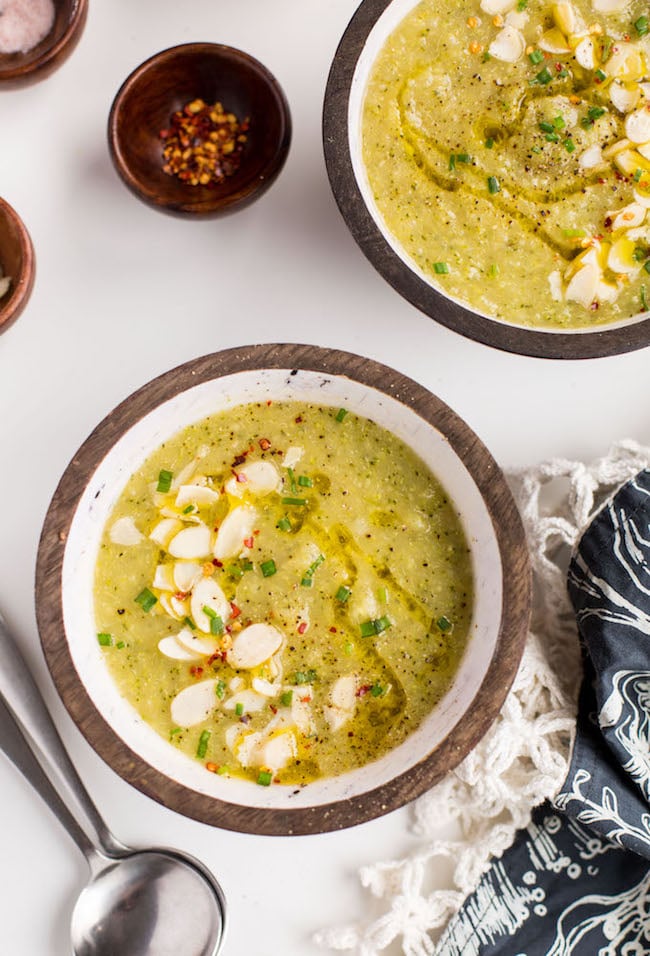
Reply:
x=534 y=342
x=57 y=51
x=516 y=584
x=200 y=208
x=24 y=283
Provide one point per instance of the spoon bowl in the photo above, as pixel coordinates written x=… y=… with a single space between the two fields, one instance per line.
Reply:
x=137 y=904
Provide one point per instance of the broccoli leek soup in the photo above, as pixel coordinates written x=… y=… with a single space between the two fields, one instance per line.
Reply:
x=507 y=147
x=283 y=591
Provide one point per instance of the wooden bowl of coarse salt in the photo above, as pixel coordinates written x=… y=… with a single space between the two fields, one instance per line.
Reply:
x=36 y=36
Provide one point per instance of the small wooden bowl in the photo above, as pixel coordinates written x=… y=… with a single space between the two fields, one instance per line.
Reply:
x=21 y=69
x=96 y=476
x=168 y=81
x=18 y=261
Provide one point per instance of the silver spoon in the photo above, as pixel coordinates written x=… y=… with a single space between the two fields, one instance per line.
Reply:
x=137 y=902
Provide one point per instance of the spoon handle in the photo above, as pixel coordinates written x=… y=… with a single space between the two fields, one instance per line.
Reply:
x=18 y=691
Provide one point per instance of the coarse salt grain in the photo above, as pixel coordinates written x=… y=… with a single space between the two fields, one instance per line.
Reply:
x=24 y=23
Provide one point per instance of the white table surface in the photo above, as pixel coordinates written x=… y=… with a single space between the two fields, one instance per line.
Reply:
x=124 y=293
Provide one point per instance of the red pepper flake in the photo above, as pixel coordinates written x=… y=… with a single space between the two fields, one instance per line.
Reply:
x=217 y=563
x=181 y=595
x=234 y=610
x=306 y=699
x=256 y=531
x=264 y=444
x=203 y=144
x=299 y=420
x=302 y=627
x=249 y=542
x=332 y=630
x=363 y=690
x=241 y=477
x=212 y=767
x=273 y=709
x=196 y=671
x=269 y=402
x=240 y=459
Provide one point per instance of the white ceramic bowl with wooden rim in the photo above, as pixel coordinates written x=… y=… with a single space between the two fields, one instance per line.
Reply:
x=97 y=475
x=361 y=44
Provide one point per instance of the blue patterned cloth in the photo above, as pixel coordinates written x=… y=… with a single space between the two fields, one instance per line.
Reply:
x=576 y=882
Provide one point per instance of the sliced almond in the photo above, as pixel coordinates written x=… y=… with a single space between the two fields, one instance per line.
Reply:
x=621 y=257
x=166 y=603
x=186 y=574
x=194 y=704
x=170 y=647
x=609 y=6
x=165 y=530
x=637 y=126
x=124 y=531
x=236 y=526
x=191 y=543
x=292 y=456
x=564 y=17
x=251 y=702
x=258 y=478
x=624 y=96
x=497 y=6
x=585 y=53
x=195 y=495
x=554 y=41
x=628 y=217
x=278 y=751
x=163 y=578
x=591 y=157
x=508 y=45
x=582 y=287
x=265 y=687
x=203 y=646
x=254 y=645
x=207 y=593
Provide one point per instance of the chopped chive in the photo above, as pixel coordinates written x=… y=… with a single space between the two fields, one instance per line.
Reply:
x=521 y=5
x=220 y=689
x=340 y=415
x=493 y=271
x=305 y=481
x=382 y=624
x=216 y=626
x=544 y=77
x=552 y=138
x=559 y=123
x=646 y=266
x=349 y=647
x=638 y=173
x=209 y=612
x=487 y=56
x=642 y=26
x=493 y=185
x=644 y=299
x=607 y=45
x=376 y=690
x=247 y=566
x=264 y=778
x=286 y=698
x=463 y=158
x=175 y=730
x=268 y=568
x=222 y=769
x=569 y=145
x=600 y=76
x=489 y=142
x=443 y=623
x=535 y=149
x=235 y=571
x=452 y=163
x=574 y=233
x=120 y=645
x=305 y=677
x=595 y=112
x=639 y=254
x=190 y=623
x=546 y=127
x=536 y=57
x=306 y=582
x=284 y=524
x=297 y=502
x=239 y=709
x=187 y=510
x=146 y=599
x=383 y=595
x=562 y=74
x=292 y=481
x=367 y=628
x=105 y=640
x=440 y=268
x=202 y=748
x=343 y=594
x=164 y=481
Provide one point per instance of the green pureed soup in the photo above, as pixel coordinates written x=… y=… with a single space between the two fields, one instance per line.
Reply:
x=507 y=147
x=283 y=591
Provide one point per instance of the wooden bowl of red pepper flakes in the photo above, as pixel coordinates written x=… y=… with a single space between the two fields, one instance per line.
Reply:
x=199 y=130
